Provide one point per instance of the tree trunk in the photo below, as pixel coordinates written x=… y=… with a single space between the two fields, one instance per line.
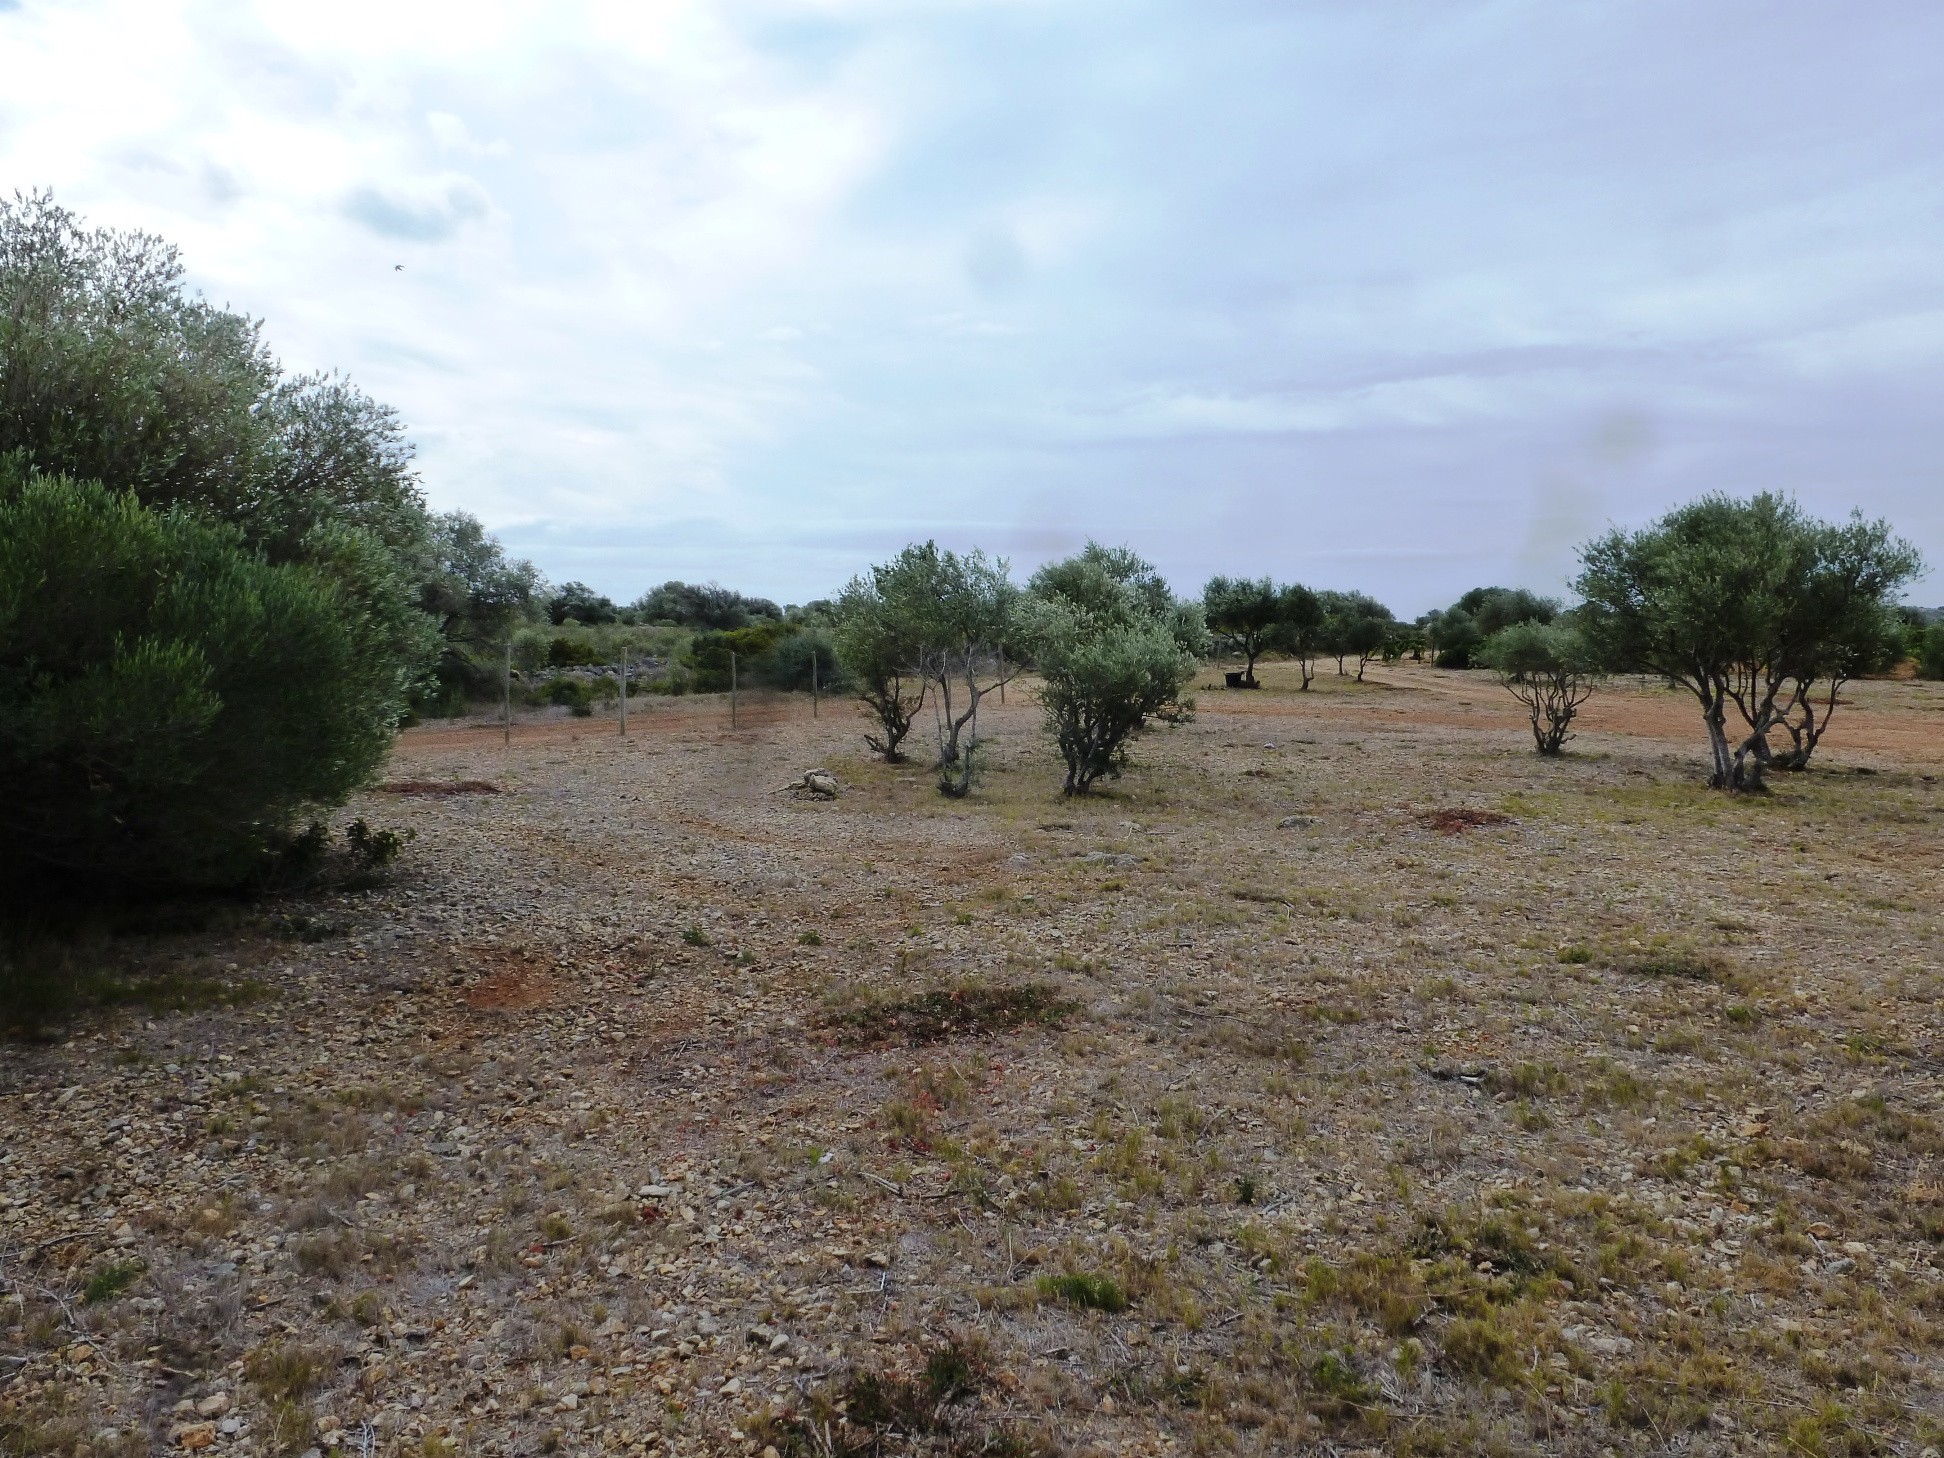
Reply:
x=1716 y=719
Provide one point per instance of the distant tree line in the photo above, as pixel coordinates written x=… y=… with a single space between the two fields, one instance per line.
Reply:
x=1759 y=610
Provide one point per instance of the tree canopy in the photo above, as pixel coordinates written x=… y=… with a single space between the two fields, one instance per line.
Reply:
x=702 y=605
x=169 y=699
x=1548 y=668
x=1751 y=605
x=1456 y=633
x=112 y=371
x=1113 y=647
x=129 y=405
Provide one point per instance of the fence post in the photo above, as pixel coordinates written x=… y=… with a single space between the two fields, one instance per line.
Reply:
x=732 y=688
x=506 y=699
x=813 y=680
x=624 y=693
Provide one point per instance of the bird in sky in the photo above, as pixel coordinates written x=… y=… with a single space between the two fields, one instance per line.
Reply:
x=398 y=268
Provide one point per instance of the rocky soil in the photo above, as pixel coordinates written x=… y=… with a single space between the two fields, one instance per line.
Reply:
x=1345 y=1078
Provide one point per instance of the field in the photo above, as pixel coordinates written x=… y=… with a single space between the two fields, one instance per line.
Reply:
x=1345 y=1078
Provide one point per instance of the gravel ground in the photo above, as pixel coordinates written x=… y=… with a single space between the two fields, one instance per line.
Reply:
x=1345 y=1078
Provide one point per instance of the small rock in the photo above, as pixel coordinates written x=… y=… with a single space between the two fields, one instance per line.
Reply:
x=197 y=1435
x=1610 y=1346
x=214 y=1405
x=1298 y=822
x=568 y=1402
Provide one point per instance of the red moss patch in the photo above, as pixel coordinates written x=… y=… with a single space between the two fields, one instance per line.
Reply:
x=439 y=787
x=1453 y=822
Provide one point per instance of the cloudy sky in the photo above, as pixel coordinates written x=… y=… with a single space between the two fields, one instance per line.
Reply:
x=1404 y=295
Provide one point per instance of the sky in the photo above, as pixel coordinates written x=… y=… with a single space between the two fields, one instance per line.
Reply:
x=1398 y=295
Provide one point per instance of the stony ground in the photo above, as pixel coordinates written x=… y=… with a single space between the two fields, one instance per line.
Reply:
x=1346 y=1078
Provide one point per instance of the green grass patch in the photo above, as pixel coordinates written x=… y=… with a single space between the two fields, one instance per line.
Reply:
x=1085 y=1289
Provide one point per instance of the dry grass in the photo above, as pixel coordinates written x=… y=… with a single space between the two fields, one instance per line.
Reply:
x=1346 y=1077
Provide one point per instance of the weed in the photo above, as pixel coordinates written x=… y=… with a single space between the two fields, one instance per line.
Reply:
x=375 y=850
x=1481 y=1347
x=330 y=1254
x=288 y=1371
x=1526 y=1080
x=1085 y=1289
x=804 y=939
x=968 y=1010
x=874 y=1414
x=110 y=1281
x=1674 y=962
x=1334 y=1378
x=694 y=936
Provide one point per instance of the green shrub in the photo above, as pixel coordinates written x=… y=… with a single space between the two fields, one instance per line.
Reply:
x=709 y=655
x=1930 y=652
x=170 y=703
x=566 y=652
x=790 y=662
x=374 y=850
x=110 y=1281
x=573 y=694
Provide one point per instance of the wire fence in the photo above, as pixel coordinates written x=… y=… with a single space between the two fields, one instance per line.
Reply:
x=619 y=699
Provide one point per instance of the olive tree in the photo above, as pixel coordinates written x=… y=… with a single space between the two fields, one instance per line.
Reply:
x=1841 y=624
x=1243 y=613
x=1355 y=625
x=1113 y=647
x=1750 y=605
x=880 y=653
x=1299 y=630
x=1549 y=669
x=957 y=613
